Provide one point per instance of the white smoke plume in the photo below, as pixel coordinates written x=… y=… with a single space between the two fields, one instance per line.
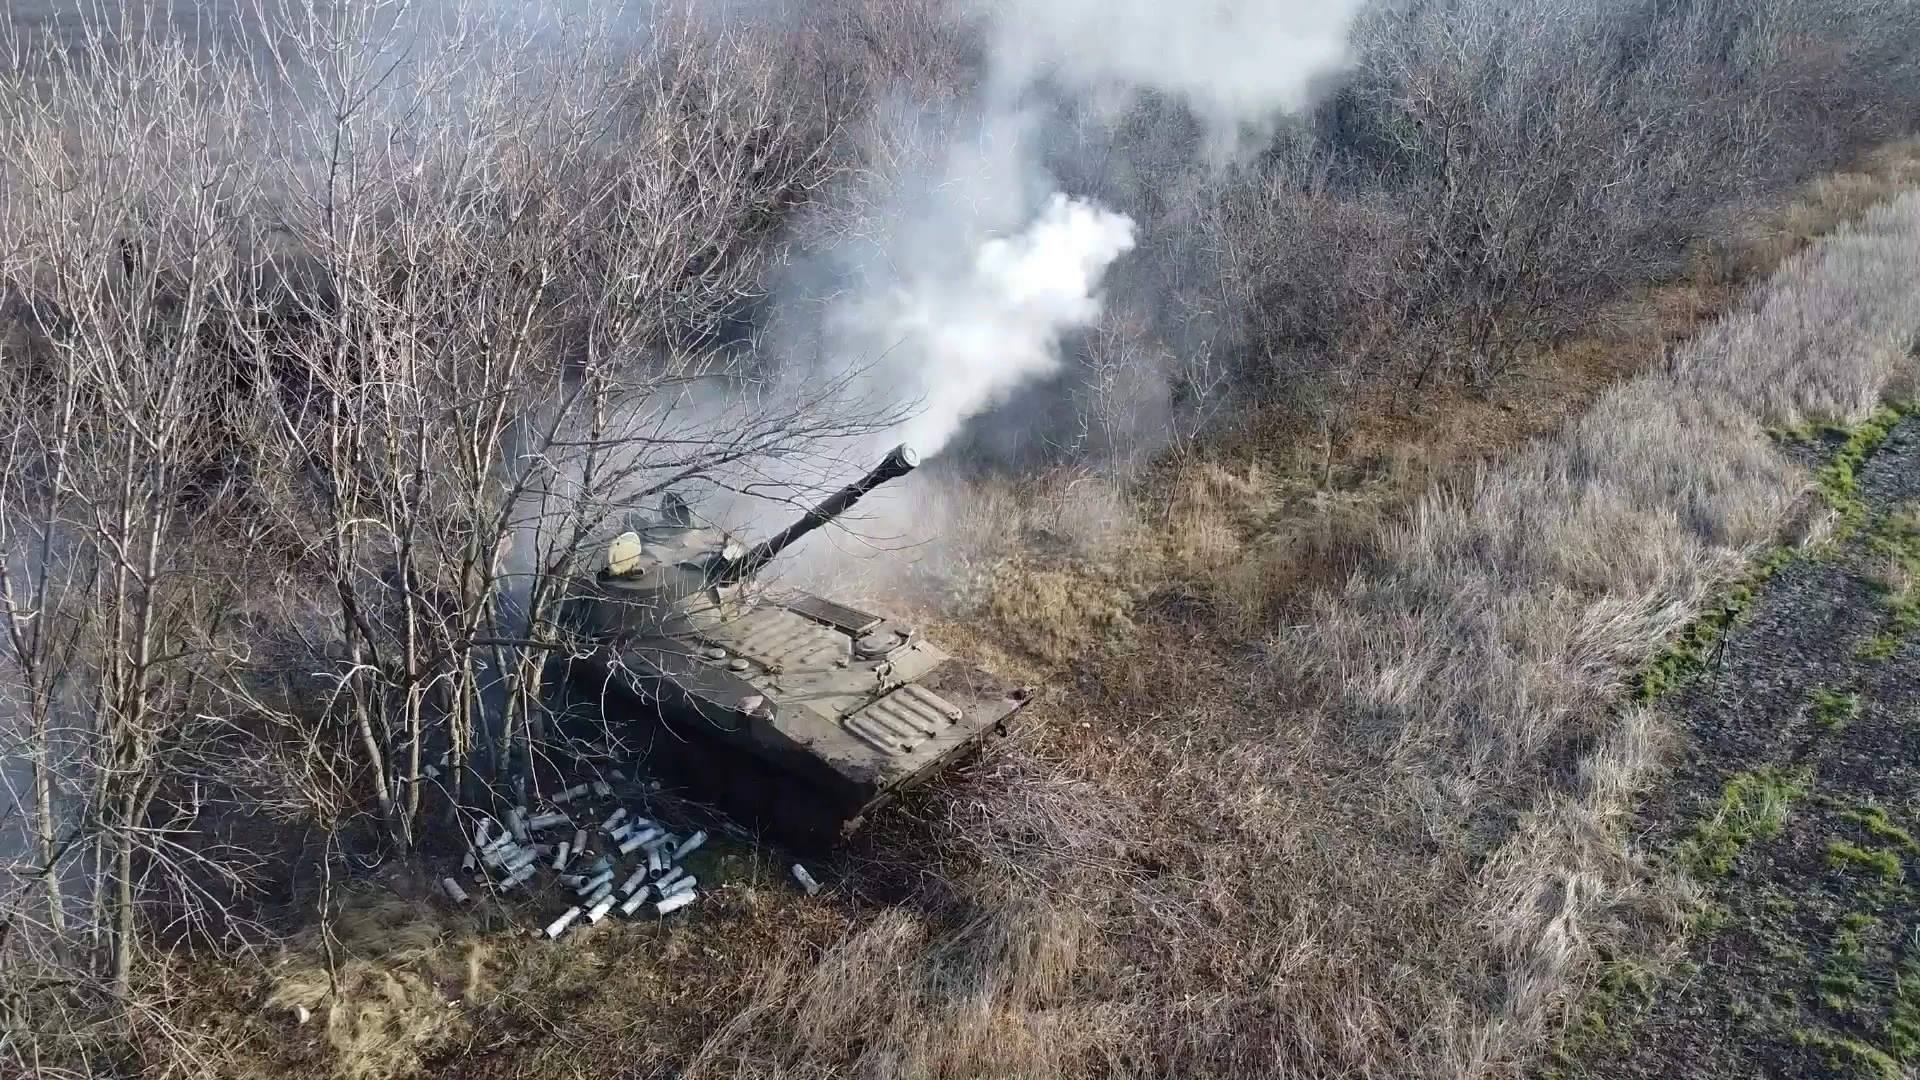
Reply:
x=1232 y=61
x=959 y=269
x=969 y=343
x=957 y=342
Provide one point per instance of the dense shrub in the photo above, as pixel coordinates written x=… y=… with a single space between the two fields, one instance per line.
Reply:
x=1488 y=171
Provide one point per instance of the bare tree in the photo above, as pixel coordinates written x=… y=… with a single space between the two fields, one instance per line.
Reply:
x=117 y=625
x=347 y=363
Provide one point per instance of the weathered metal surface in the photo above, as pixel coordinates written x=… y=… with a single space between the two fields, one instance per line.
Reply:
x=798 y=714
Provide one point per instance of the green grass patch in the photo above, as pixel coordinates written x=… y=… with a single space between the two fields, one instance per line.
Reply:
x=1896 y=535
x=1753 y=806
x=1624 y=992
x=1880 y=647
x=1622 y=982
x=1896 y=540
x=1873 y=818
x=1841 y=987
x=1845 y=855
x=1905 y=610
x=1838 y=479
x=1902 y=605
x=1903 y=1020
x=1806 y=432
x=1903 y=618
x=1690 y=649
x=1841 y=990
x=1851 y=1056
x=1852 y=925
x=1833 y=709
x=1709 y=919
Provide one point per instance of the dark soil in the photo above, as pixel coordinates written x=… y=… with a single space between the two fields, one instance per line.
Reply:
x=1807 y=962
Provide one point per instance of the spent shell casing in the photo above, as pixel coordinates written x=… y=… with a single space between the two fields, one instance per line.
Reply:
x=559 y=926
x=676 y=902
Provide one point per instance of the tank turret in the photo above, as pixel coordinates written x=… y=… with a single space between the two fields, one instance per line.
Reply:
x=796 y=714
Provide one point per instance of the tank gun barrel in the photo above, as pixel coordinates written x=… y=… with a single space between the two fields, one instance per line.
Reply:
x=900 y=461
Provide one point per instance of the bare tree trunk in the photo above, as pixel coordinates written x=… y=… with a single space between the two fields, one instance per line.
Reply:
x=47 y=826
x=123 y=928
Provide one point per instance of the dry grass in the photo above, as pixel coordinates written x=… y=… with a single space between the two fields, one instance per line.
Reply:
x=1758 y=242
x=1056 y=615
x=1279 y=510
x=392 y=994
x=1254 y=522
x=1387 y=848
x=391 y=984
x=1392 y=849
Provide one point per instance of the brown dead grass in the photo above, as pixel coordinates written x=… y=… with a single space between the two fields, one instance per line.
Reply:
x=1056 y=615
x=1263 y=516
x=1392 y=848
x=394 y=996
x=1385 y=845
x=406 y=979
x=1273 y=511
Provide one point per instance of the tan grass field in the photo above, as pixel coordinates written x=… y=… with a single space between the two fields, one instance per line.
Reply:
x=1329 y=773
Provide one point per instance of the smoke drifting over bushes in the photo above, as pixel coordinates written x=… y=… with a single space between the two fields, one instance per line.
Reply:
x=1233 y=62
x=967 y=280
x=968 y=342
x=954 y=334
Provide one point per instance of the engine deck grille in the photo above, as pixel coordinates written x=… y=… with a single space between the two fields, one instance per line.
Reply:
x=904 y=720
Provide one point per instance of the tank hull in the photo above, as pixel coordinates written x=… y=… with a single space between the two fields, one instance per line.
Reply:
x=789 y=793
x=798 y=715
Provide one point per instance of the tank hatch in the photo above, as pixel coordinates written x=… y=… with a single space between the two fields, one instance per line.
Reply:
x=852 y=620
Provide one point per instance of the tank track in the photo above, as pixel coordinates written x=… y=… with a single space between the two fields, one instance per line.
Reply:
x=758 y=797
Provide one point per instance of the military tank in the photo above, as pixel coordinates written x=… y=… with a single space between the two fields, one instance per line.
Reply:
x=795 y=714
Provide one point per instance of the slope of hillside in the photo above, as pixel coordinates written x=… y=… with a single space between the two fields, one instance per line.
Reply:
x=1341 y=529
x=1392 y=840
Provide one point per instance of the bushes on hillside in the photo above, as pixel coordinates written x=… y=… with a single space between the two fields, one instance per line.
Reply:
x=1489 y=171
